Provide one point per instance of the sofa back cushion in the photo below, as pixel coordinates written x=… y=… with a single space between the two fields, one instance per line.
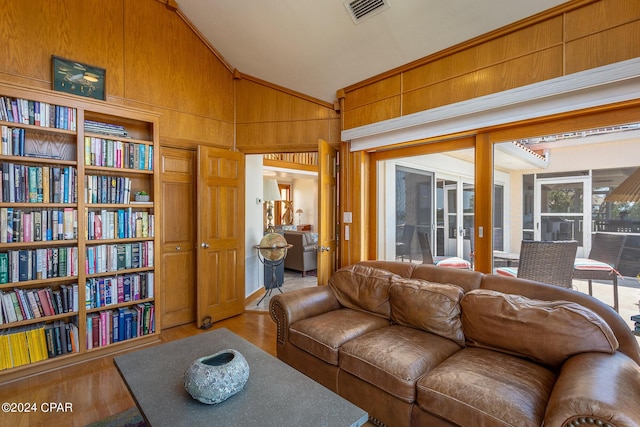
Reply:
x=363 y=288
x=432 y=307
x=403 y=269
x=466 y=279
x=547 y=332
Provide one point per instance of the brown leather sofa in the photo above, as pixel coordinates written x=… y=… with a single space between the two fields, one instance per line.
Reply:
x=421 y=345
x=302 y=256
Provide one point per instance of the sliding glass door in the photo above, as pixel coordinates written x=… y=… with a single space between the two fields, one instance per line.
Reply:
x=414 y=210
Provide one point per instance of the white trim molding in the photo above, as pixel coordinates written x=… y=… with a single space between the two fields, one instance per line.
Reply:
x=591 y=88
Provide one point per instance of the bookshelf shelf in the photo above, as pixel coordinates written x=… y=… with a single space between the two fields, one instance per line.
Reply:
x=38 y=205
x=125 y=171
x=118 y=138
x=133 y=205
x=120 y=345
x=119 y=305
x=45 y=243
x=49 y=281
x=120 y=272
x=55 y=162
x=37 y=160
x=116 y=241
x=39 y=320
x=37 y=128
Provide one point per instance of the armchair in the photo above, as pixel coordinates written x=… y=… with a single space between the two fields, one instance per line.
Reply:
x=602 y=264
x=302 y=256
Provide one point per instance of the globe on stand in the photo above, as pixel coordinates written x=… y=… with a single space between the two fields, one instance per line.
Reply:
x=275 y=241
x=272 y=251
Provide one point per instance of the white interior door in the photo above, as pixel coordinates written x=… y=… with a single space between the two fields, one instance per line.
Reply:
x=458 y=218
x=562 y=210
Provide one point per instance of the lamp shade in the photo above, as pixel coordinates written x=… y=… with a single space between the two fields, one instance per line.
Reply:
x=299 y=211
x=270 y=190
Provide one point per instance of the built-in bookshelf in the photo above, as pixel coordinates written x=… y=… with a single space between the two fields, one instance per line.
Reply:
x=77 y=251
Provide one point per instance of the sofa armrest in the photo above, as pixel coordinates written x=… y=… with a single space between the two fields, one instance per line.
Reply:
x=596 y=389
x=291 y=307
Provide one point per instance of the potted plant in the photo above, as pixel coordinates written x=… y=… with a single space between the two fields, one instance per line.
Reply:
x=142 y=196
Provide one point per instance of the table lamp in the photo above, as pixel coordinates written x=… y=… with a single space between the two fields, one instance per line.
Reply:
x=299 y=212
x=270 y=193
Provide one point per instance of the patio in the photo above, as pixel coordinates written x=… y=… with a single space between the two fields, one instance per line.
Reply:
x=628 y=296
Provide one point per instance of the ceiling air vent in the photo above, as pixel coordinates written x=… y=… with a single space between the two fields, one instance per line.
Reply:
x=360 y=10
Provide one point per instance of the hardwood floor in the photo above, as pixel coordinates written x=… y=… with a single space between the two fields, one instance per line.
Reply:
x=93 y=390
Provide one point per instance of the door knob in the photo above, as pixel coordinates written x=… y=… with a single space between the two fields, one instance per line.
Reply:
x=204 y=245
x=177 y=248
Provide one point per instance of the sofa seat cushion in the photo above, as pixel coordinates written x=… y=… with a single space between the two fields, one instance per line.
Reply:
x=545 y=331
x=323 y=335
x=432 y=307
x=395 y=357
x=487 y=388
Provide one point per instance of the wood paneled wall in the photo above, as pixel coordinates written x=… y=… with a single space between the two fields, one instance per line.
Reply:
x=576 y=36
x=156 y=60
x=273 y=119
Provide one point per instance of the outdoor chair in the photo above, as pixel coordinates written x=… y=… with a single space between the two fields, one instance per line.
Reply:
x=403 y=247
x=602 y=264
x=545 y=261
x=442 y=261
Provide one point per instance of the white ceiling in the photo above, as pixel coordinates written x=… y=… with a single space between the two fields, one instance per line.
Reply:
x=313 y=46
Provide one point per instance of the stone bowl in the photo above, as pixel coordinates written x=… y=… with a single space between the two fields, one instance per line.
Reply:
x=213 y=379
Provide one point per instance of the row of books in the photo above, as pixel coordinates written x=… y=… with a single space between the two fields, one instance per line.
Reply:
x=117 y=154
x=105 y=291
x=38 y=184
x=12 y=141
x=93 y=126
x=36 y=113
x=107 y=258
x=37 y=264
x=120 y=224
x=38 y=225
x=26 y=304
x=32 y=343
x=636 y=325
x=107 y=189
x=111 y=326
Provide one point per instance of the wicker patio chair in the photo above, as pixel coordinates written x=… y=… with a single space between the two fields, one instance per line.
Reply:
x=545 y=261
x=442 y=261
x=602 y=264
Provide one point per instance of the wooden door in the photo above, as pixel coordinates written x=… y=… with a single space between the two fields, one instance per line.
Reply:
x=220 y=211
x=178 y=237
x=327 y=194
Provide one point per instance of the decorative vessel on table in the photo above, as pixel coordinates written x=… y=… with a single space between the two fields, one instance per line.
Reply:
x=213 y=379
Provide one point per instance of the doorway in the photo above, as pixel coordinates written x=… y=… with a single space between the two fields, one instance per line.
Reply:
x=561 y=209
x=457 y=227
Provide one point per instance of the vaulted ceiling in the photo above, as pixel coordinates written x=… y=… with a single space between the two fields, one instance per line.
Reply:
x=314 y=46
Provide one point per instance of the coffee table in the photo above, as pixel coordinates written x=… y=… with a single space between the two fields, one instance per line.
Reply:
x=275 y=394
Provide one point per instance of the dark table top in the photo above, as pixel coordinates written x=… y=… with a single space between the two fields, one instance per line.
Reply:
x=275 y=394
